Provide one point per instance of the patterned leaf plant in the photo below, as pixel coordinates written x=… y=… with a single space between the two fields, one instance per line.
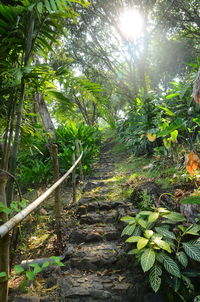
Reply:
x=160 y=250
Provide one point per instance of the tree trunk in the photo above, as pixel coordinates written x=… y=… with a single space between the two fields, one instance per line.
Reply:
x=13 y=157
x=53 y=149
x=25 y=60
x=4 y=242
x=45 y=116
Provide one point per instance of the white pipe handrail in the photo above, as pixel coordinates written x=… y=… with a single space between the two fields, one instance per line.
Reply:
x=11 y=223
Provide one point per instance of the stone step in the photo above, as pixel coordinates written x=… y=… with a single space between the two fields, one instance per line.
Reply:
x=103 y=165
x=100 y=177
x=96 y=287
x=94 y=234
x=101 y=205
x=93 y=256
x=101 y=217
x=103 y=170
x=90 y=185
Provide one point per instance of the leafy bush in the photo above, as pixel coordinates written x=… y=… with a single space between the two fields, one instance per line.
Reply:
x=162 y=119
x=34 y=161
x=144 y=116
x=165 y=250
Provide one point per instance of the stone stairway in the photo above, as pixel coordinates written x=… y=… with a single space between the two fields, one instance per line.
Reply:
x=96 y=268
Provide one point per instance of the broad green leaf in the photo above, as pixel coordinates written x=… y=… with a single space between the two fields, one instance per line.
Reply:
x=193 y=229
x=40 y=7
x=174 y=135
x=60 y=5
x=18 y=268
x=192 y=251
x=178 y=123
x=142 y=223
x=4 y=209
x=153 y=217
x=142 y=242
x=154 y=277
x=137 y=231
x=57 y=260
x=170 y=96
x=182 y=258
x=163 y=210
x=159 y=257
x=191 y=200
x=127 y=219
x=3 y=274
x=162 y=244
x=171 y=266
x=37 y=268
x=169 y=112
x=181 y=227
x=45 y=264
x=147 y=259
x=148 y=234
x=164 y=232
x=30 y=275
x=53 y=5
x=128 y=230
x=195 y=242
x=133 y=239
x=145 y=213
x=48 y=7
x=174 y=216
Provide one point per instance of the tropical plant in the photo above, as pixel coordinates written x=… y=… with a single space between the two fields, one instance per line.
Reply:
x=146 y=115
x=165 y=250
x=34 y=162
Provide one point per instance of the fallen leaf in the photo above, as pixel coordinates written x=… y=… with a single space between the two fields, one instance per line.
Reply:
x=192 y=163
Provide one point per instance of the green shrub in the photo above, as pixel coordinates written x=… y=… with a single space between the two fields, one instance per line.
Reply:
x=34 y=161
x=165 y=251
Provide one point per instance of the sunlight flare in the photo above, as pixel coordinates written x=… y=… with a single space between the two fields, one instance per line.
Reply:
x=131 y=23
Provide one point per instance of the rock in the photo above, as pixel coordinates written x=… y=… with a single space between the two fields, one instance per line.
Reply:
x=82 y=210
x=112 y=235
x=68 y=251
x=92 y=185
x=51 y=281
x=92 y=287
x=154 y=192
x=99 y=294
x=93 y=256
x=77 y=236
x=104 y=217
x=94 y=234
x=51 y=271
x=27 y=299
x=93 y=237
x=151 y=297
x=190 y=211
